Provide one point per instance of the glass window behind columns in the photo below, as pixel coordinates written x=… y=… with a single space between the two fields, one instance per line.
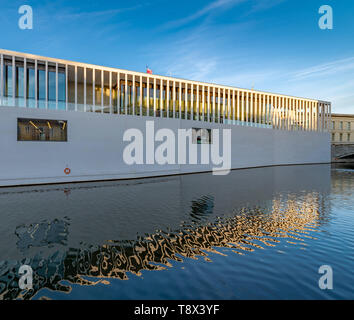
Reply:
x=30 y=86
x=8 y=79
x=61 y=89
x=20 y=86
x=41 y=87
x=51 y=88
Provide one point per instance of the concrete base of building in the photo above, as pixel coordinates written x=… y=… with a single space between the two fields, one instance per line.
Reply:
x=94 y=150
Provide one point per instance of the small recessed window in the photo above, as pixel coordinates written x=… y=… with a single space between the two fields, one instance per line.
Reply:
x=201 y=136
x=42 y=130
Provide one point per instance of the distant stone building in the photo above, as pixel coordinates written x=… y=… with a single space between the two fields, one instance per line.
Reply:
x=342 y=137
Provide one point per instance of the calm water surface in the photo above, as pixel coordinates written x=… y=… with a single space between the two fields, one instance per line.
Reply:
x=254 y=234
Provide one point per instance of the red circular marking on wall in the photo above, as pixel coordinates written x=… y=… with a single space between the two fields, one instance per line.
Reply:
x=67 y=171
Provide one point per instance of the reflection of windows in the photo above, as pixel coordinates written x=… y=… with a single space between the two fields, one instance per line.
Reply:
x=201 y=136
x=41 y=130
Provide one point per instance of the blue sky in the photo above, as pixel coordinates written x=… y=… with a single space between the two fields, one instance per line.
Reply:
x=270 y=45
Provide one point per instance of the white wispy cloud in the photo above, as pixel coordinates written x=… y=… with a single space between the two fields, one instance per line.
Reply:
x=326 y=69
x=211 y=7
x=95 y=14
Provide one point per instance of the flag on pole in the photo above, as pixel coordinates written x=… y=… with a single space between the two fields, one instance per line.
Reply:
x=149 y=71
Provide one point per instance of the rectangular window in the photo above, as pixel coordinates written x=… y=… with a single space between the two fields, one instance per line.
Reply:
x=341 y=125
x=201 y=136
x=349 y=126
x=333 y=125
x=41 y=130
x=348 y=138
x=8 y=80
x=341 y=137
x=333 y=136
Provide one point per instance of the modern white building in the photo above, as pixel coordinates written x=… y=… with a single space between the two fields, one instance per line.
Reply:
x=85 y=109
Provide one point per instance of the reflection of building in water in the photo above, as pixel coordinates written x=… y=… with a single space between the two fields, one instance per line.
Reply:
x=342 y=182
x=202 y=208
x=292 y=219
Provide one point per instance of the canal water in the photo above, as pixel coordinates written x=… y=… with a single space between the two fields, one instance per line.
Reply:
x=253 y=234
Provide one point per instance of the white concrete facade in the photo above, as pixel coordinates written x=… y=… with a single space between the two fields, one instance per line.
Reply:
x=93 y=154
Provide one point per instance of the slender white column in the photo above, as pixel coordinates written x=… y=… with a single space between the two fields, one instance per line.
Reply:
x=223 y=105
x=305 y=115
x=208 y=102
x=276 y=112
x=247 y=107
x=118 y=93
x=2 y=77
x=93 y=90
x=85 y=89
x=180 y=100
x=301 y=107
x=297 y=114
x=192 y=102
x=57 y=87
x=323 y=116
x=243 y=107
x=287 y=113
x=167 y=97
x=251 y=109
x=310 y=115
x=67 y=87
x=46 y=84
x=238 y=108
x=102 y=90
x=214 y=103
x=229 y=105
x=36 y=83
x=126 y=95
x=13 y=81
x=282 y=124
x=161 y=98
x=155 y=100
x=141 y=96
x=219 y=104
x=284 y=115
x=268 y=111
x=24 y=82
x=197 y=106
x=232 y=105
x=203 y=103
x=110 y=92
x=330 y=112
x=174 y=99
x=263 y=113
x=314 y=116
x=75 y=88
x=319 y=127
x=147 y=96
